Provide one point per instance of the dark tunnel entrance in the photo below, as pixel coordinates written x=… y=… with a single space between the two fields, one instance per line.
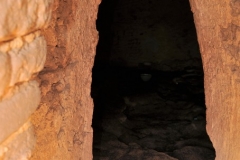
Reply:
x=148 y=83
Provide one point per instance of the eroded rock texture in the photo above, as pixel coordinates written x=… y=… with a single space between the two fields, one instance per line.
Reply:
x=218 y=26
x=22 y=56
x=62 y=122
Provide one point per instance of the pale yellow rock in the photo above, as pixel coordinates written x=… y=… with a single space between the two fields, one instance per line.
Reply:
x=27 y=60
x=18 y=42
x=30 y=37
x=22 y=61
x=18 y=107
x=19 y=145
x=20 y=17
x=5 y=72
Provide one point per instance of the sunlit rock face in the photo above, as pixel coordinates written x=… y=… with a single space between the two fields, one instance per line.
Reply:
x=60 y=127
x=22 y=55
x=52 y=121
x=63 y=119
x=220 y=52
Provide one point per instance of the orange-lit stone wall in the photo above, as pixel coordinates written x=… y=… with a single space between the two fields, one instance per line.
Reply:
x=218 y=30
x=60 y=127
x=62 y=122
x=22 y=55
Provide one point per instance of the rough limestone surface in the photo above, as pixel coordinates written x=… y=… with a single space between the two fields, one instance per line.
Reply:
x=5 y=67
x=62 y=122
x=22 y=56
x=16 y=109
x=19 y=145
x=20 y=17
x=218 y=30
x=34 y=54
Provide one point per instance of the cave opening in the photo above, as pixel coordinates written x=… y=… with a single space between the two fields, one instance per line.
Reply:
x=147 y=83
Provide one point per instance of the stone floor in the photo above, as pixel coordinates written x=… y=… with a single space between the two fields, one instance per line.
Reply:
x=162 y=119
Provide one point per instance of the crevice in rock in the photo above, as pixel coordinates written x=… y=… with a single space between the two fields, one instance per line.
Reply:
x=148 y=83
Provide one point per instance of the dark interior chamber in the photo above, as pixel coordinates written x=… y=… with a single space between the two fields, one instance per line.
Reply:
x=147 y=83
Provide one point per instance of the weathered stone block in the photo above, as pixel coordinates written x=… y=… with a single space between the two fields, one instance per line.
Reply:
x=15 y=110
x=27 y=60
x=19 y=60
x=19 y=17
x=5 y=73
x=19 y=145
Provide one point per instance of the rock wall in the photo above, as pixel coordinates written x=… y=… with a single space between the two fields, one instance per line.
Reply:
x=63 y=120
x=60 y=128
x=218 y=30
x=22 y=56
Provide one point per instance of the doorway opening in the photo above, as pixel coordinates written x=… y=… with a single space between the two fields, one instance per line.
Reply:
x=148 y=83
